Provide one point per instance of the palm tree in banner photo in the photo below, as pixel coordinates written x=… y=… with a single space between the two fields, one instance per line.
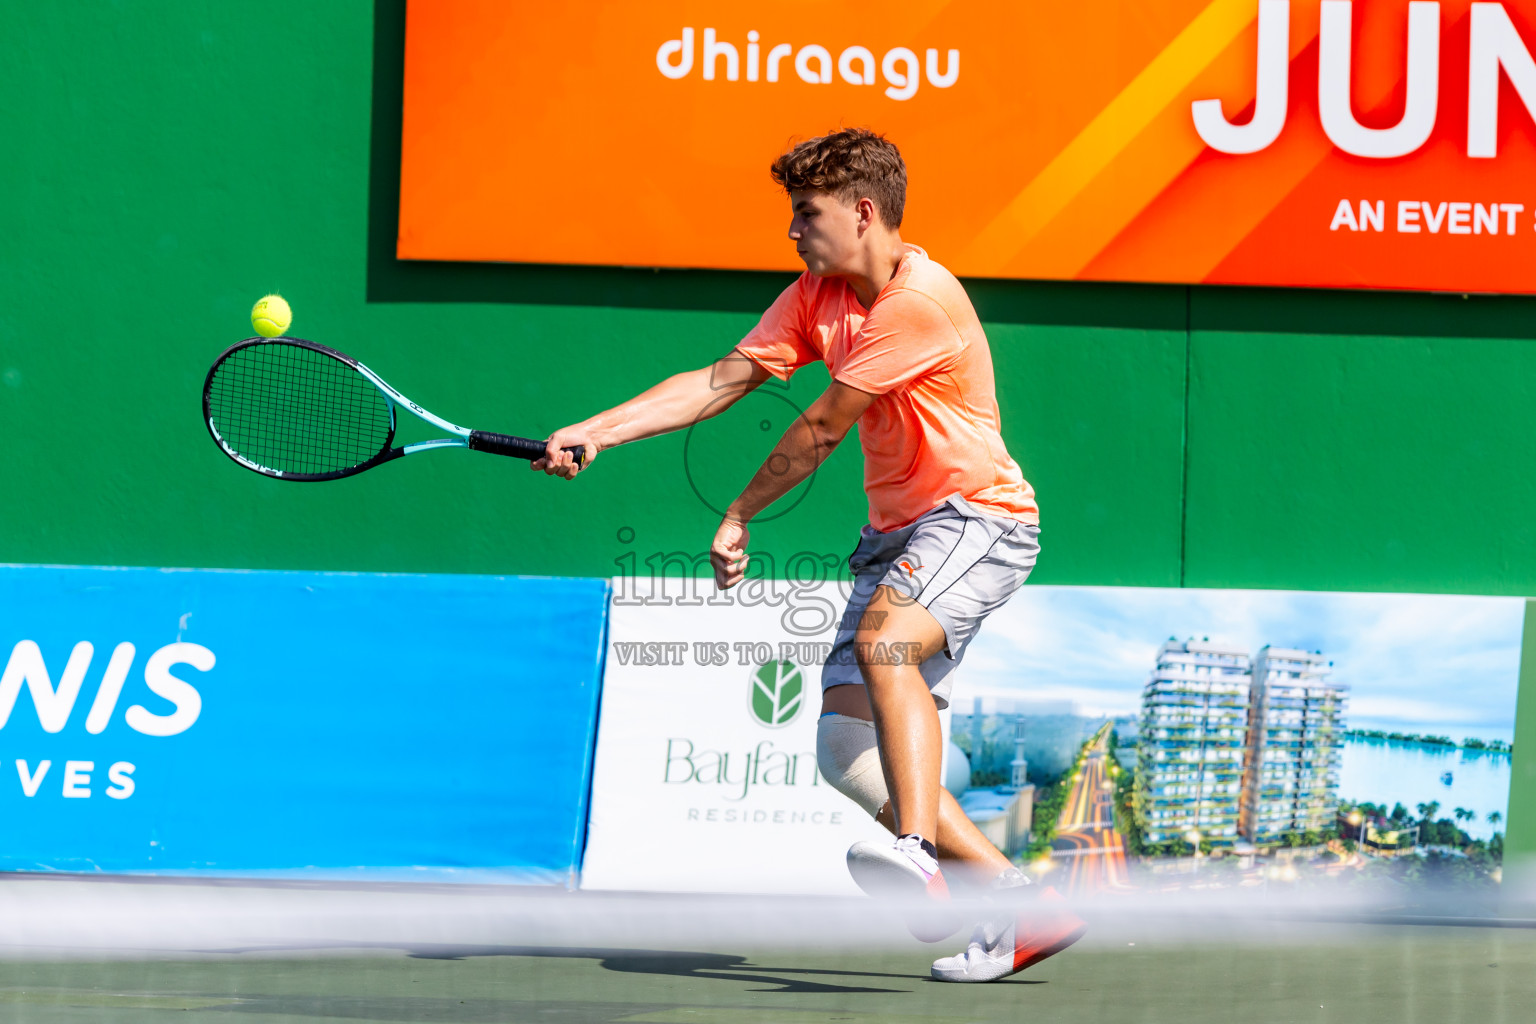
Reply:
x=1494 y=817
x=1428 y=811
x=1462 y=814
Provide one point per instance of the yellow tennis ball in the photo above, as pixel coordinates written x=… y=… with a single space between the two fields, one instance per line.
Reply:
x=271 y=316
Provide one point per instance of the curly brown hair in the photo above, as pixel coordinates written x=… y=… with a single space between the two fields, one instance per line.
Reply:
x=851 y=164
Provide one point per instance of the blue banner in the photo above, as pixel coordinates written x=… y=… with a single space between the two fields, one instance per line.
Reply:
x=289 y=723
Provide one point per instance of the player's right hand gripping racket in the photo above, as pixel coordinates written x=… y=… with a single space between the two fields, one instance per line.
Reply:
x=294 y=410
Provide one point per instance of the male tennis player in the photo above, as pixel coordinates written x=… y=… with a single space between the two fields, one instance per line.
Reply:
x=952 y=522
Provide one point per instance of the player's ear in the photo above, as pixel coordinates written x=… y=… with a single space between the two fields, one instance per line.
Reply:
x=868 y=214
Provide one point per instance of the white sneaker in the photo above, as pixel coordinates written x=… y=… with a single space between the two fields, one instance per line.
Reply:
x=902 y=869
x=1013 y=941
x=906 y=872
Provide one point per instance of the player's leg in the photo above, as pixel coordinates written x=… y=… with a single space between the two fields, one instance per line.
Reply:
x=1020 y=924
x=962 y=566
x=849 y=758
x=1023 y=923
x=963 y=850
x=889 y=643
x=896 y=637
x=961 y=843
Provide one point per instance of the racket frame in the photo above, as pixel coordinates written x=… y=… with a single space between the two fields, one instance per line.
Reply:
x=393 y=398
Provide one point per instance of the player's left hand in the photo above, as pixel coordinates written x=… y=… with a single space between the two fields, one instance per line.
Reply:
x=728 y=554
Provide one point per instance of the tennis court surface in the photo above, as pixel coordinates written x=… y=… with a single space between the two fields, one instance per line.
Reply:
x=105 y=951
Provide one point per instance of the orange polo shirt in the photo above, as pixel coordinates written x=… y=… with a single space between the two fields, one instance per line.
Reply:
x=934 y=431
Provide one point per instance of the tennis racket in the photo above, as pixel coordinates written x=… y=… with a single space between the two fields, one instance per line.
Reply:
x=294 y=410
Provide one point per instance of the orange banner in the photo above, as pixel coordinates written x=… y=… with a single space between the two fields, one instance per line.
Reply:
x=1379 y=143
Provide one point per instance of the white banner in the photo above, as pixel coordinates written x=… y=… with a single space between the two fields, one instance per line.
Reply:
x=705 y=778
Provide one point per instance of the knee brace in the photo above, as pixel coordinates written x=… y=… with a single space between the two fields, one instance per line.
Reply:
x=849 y=760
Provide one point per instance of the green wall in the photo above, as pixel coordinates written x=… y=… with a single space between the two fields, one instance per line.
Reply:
x=166 y=163
x=169 y=162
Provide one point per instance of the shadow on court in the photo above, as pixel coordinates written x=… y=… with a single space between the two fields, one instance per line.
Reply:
x=671 y=963
x=1312 y=973
x=704 y=966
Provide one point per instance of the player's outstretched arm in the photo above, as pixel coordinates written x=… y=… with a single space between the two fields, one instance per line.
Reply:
x=679 y=401
x=807 y=442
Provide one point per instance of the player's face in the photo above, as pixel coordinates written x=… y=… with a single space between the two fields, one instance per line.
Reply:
x=825 y=232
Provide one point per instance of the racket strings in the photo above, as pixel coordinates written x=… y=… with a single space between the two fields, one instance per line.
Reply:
x=291 y=409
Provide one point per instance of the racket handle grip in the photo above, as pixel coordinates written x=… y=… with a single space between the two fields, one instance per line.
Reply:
x=517 y=447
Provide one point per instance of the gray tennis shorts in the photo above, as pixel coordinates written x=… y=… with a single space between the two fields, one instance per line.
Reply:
x=955 y=561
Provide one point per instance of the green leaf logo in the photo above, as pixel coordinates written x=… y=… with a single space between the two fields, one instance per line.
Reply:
x=777 y=689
